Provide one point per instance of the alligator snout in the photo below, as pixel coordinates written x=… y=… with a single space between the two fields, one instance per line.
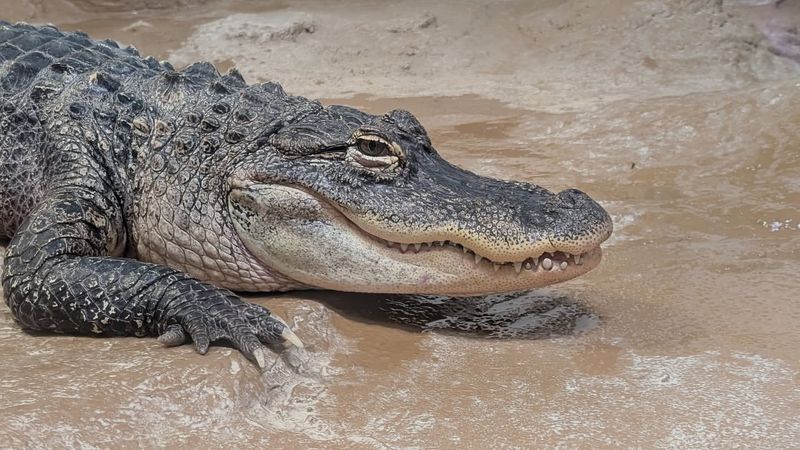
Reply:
x=578 y=221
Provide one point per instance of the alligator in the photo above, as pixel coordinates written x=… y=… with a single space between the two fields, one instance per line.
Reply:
x=135 y=199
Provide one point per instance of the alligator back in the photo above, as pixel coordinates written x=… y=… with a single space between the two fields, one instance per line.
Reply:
x=31 y=54
x=38 y=68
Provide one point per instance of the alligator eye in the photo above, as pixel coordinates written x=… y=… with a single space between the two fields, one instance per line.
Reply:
x=374 y=153
x=372 y=146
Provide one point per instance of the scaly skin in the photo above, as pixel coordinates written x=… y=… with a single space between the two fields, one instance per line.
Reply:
x=82 y=180
x=208 y=184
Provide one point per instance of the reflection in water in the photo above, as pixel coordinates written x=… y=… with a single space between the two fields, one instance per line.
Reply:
x=524 y=315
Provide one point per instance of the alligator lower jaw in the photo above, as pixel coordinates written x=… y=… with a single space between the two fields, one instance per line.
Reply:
x=548 y=261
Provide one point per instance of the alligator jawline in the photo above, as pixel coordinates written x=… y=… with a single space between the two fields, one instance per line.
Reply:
x=544 y=261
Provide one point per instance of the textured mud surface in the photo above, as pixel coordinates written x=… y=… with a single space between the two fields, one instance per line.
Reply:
x=680 y=116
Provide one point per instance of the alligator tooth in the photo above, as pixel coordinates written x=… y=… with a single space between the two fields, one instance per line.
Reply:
x=535 y=262
x=439 y=243
x=465 y=249
x=518 y=266
x=528 y=265
x=564 y=265
x=403 y=247
x=578 y=260
x=389 y=244
x=547 y=264
x=417 y=247
x=478 y=258
x=496 y=266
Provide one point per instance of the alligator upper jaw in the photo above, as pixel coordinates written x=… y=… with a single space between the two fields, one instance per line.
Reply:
x=312 y=241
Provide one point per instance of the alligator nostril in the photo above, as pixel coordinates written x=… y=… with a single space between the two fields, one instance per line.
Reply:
x=571 y=198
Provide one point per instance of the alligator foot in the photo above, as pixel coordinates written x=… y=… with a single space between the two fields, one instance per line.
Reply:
x=248 y=327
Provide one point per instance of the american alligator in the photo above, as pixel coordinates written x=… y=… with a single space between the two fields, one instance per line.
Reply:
x=137 y=197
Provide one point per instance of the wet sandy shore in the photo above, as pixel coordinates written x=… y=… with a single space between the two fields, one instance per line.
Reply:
x=679 y=116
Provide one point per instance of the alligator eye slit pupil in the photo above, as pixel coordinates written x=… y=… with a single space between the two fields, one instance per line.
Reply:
x=373 y=148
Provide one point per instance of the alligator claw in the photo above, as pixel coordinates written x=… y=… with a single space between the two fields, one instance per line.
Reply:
x=261 y=359
x=289 y=336
x=248 y=327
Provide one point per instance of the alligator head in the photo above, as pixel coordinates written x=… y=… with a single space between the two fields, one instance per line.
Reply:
x=364 y=203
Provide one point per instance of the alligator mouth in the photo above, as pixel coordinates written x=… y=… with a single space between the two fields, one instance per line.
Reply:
x=557 y=261
x=321 y=244
x=540 y=269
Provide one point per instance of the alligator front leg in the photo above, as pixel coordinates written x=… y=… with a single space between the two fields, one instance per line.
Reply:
x=58 y=277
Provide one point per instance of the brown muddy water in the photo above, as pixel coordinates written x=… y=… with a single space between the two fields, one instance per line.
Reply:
x=685 y=336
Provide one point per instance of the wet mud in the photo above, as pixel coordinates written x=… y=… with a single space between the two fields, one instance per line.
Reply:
x=680 y=117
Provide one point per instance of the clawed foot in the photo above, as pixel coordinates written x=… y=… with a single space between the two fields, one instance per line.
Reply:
x=248 y=327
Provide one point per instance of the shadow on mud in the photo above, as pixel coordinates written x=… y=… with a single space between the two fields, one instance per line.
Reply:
x=524 y=315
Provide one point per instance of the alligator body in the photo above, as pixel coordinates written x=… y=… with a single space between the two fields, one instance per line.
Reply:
x=136 y=197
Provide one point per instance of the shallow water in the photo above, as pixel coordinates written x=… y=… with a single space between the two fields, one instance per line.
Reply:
x=685 y=336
